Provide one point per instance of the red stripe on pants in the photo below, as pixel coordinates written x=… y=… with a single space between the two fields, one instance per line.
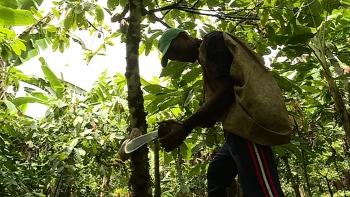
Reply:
x=268 y=172
x=258 y=173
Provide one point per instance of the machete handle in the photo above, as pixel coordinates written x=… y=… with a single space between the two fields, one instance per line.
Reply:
x=163 y=130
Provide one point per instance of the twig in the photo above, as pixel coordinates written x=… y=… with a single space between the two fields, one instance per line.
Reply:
x=175 y=5
x=93 y=26
x=194 y=4
x=57 y=185
x=223 y=17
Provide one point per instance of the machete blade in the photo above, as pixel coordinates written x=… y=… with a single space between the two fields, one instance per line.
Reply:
x=136 y=143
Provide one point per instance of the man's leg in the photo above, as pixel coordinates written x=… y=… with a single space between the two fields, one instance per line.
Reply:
x=257 y=168
x=221 y=172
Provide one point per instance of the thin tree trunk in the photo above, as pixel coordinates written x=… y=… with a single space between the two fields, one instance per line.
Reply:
x=157 y=188
x=319 y=51
x=329 y=187
x=184 y=190
x=306 y=174
x=2 y=80
x=140 y=179
x=291 y=178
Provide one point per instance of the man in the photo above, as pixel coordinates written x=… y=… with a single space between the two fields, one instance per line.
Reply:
x=242 y=94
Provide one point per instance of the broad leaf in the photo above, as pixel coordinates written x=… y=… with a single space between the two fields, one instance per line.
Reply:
x=25 y=100
x=11 y=17
x=10 y=106
x=52 y=78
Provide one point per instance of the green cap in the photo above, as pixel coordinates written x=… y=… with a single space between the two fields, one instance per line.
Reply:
x=165 y=40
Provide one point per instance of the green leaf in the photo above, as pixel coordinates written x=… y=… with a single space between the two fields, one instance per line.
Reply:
x=79 y=9
x=154 y=88
x=11 y=167
x=345 y=58
x=346 y=2
x=174 y=69
x=167 y=158
x=341 y=77
x=264 y=16
x=280 y=151
x=112 y=4
x=55 y=44
x=55 y=12
x=283 y=82
x=81 y=152
x=10 y=106
x=77 y=121
x=184 y=150
x=9 y=3
x=295 y=150
x=52 y=78
x=69 y=20
x=61 y=46
x=197 y=147
x=25 y=100
x=42 y=43
x=300 y=38
x=84 y=133
x=20 y=44
x=16 y=49
x=191 y=76
x=27 y=4
x=271 y=33
x=188 y=98
x=11 y=17
x=75 y=38
x=172 y=101
x=114 y=136
x=9 y=129
x=310 y=89
x=81 y=20
x=148 y=46
x=73 y=143
x=99 y=14
x=195 y=171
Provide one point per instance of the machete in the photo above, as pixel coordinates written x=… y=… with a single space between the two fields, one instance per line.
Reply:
x=137 y=142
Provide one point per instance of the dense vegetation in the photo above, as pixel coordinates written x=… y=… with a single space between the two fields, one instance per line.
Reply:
x=73 y=150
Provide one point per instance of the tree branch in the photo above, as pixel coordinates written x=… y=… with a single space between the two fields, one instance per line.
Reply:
x=168 y=7
x=119 y=17
x=162 y=22
x=223 y=17
x=194 y=4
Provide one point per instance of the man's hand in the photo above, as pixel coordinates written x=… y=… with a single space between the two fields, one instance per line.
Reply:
x=177 y=135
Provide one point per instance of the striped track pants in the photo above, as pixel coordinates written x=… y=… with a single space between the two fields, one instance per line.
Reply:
x=254 y=164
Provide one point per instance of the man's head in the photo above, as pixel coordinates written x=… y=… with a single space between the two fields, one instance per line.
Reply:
x=177 y=44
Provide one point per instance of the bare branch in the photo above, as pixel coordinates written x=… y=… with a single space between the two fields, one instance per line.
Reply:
x=194 y=4
x=175 y=5
x=119 y=17
x=162 y=22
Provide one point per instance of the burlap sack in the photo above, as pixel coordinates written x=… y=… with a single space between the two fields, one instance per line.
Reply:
x=258 y=113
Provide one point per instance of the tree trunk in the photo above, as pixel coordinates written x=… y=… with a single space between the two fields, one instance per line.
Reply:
x=184 y=190
x=2 y=80
x=157 y=188
x=320 y=53
x=140 y=180
x=291 y=178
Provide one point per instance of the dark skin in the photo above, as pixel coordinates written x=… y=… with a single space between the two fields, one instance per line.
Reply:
x=184 y=49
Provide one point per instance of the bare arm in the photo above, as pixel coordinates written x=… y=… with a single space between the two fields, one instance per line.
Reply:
x=217 y=103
